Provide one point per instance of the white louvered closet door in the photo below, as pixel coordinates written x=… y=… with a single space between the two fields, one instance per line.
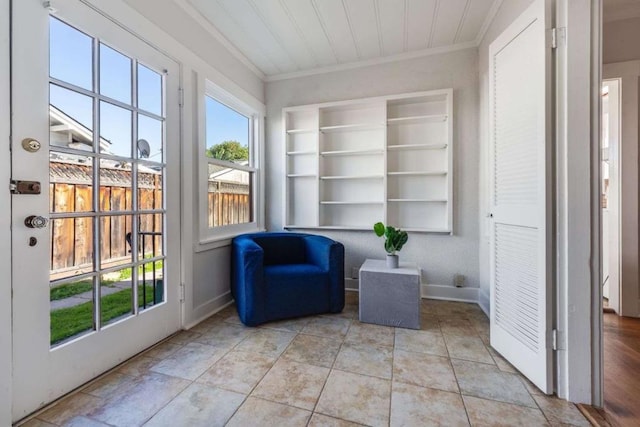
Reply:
x=520 y=141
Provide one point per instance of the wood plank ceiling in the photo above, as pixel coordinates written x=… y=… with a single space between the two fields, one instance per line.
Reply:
x=288 y=37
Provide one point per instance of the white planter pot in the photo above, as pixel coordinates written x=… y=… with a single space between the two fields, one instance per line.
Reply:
x=393 y=261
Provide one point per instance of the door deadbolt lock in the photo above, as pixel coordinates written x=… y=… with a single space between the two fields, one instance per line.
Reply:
x=34 y=221
x=31 y=145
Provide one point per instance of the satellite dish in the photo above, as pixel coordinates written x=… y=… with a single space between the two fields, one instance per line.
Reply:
x=143 y=149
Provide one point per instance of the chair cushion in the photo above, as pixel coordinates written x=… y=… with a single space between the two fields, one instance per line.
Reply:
x=282 y=249
x=295 y=290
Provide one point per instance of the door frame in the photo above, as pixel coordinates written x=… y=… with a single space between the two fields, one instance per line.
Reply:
x=5 y=217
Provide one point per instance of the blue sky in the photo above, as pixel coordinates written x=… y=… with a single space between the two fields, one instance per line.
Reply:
x=71 y=61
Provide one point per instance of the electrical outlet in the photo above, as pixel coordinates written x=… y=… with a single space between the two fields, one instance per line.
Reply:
x=458 y=280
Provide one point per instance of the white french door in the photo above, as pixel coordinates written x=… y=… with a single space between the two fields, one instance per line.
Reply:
x=95 y=123
x=521 y=166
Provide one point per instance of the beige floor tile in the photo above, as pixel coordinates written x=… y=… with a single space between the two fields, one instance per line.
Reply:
x=457 y=326
x=266 y=341
x=429 y=323
x=34 y=422
x=467 y=348
x=237 y=371
x=366 y=333
x=204 y=326
x=487 y=381
x=351 y=298
x=365 y=359
x=501 y=362
x=486 y=338
x=222 y=334
x=350 y=311
x=74 y=405
x=313 y=350
x=327 y=326
x=198 y=405
x=137 y=366
x=420 y=341
x=417 y=406
x=319 y=420
x=113 y=384
x=163 y=350
x=292 y=383
x=190 y=361
x=289 y=325
x=490 y=413
x=261 y=413
x=481 y=325
x=356 y=398
x=454 y=308
x=82 y=421
x=424 y=370
x=560 y=411
x=531 y=387
x=184 y=337
x=151 y=393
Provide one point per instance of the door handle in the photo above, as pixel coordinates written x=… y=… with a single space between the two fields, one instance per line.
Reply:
x=34 y=221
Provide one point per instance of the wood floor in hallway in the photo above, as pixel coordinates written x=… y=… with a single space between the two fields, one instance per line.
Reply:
x=622 y=369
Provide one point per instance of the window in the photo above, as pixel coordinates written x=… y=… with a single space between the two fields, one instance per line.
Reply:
x=230 y=163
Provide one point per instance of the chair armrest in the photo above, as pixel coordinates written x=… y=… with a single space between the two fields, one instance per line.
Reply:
x=329 y=256
x=247 y=280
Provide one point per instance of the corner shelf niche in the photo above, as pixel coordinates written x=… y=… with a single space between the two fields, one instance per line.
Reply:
x=352 y=163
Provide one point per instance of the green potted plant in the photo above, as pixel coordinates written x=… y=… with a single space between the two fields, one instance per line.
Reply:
x=394 y=240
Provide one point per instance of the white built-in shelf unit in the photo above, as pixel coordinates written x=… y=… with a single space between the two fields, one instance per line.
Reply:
x=350 y=164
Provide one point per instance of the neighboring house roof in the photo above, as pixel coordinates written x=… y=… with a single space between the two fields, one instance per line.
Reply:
x=77 y=133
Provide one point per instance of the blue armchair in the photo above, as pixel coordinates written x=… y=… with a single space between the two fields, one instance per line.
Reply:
x=283 y=275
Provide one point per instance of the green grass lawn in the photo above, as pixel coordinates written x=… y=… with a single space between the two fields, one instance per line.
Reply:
x=67 y=322
x=70 y=289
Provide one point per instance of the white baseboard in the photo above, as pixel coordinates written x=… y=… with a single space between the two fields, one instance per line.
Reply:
x=209 y=308
x=483 y=302
x=351 y=284
x=450 y=293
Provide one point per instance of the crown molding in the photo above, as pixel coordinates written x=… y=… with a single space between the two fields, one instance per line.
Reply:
x=207 y=25
x=370 y=62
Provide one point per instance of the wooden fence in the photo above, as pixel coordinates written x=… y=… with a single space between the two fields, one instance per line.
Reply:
x=70 y=190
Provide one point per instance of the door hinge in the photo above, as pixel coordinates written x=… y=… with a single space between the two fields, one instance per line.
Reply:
x=554 y=339
x=180 y=97
x=558 y=37
x=182 y=298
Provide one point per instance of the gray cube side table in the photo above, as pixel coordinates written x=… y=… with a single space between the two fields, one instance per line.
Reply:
x=390 y=297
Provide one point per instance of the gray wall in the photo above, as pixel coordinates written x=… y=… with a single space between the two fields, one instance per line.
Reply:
x=621 y=41
x=508 y=12
x=440 y=256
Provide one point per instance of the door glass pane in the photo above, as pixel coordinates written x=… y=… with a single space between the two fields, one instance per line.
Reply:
x=71 y=247
x=150 y=284
x=227 y=133
x=70 y=182
x=149 y=90
x=71 y=309
x=149 y=130
x=150 y=236
x=149 y=188
x=116 y=295
x=70 y=119
x=115 y=130
x=115 y=74
x=115 y=186
x=115 y=240
x=71 y=58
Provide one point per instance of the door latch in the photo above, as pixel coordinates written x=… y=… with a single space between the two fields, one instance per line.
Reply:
x=24 y=187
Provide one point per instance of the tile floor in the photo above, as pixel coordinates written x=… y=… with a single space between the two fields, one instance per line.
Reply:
x=328 y=370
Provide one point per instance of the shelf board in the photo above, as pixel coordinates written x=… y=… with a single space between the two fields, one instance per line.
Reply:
x=364 y=228
x=301 y=175
x=354 y=202
x=353 y=177
x=418 y=119
x=300 y=153
x=416 y=147
x=352 y=127
x=417 y=173
x=298 y=131
x=351 y=152
x=419 y=200
x=428 y=230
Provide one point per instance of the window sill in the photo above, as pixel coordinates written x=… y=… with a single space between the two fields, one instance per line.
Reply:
x=222 y=240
